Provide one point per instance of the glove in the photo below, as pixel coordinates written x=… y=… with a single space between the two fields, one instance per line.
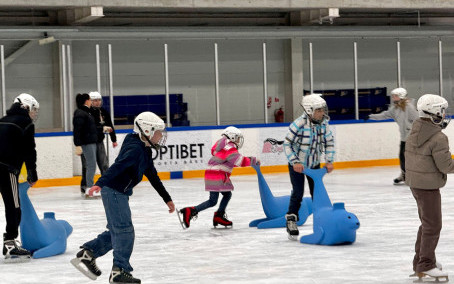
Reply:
x=366 y=118
x=32 y=177
x=78 y=150
x=107 y=129
x=254 y=161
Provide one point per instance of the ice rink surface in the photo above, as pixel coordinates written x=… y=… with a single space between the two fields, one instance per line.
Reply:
x=164 y=253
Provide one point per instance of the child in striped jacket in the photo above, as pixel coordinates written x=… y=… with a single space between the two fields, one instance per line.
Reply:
x=217 y=176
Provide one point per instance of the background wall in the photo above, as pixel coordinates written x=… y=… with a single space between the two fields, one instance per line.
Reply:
x=354 y=142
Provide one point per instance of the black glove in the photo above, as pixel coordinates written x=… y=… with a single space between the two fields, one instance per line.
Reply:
x=32 y=176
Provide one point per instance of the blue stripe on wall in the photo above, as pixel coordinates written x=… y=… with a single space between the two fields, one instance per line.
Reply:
x=176 y=175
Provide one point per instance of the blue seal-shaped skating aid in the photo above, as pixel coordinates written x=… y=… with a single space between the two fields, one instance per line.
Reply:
x=333 y=225
x=46 y=237
x=275 y=208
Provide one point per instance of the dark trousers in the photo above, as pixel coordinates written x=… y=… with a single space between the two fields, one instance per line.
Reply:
x=101 y=160
x=429 y=211
x=9 y=188
x=296 y=197
x=213 y=200
x=402 y=156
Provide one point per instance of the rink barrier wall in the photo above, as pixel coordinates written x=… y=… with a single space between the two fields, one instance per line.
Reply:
x=200 y=173
x=358 y=144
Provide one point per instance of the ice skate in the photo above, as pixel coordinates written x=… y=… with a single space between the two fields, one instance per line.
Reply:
x=433 y=275
x=188 y=213
x=400 y=180
x=292 y=228
x=437 y=264
x=119 y=276
x=96 y=195
x=13 y=251
x=86 y=263
x=220 y=218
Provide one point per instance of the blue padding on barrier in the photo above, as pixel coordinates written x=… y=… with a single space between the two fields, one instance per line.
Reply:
x=176 y=175
x=275 y=208
x=333 y=225
x=46 y=237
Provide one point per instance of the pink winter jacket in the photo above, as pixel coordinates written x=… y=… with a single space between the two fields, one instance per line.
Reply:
x=220 y=166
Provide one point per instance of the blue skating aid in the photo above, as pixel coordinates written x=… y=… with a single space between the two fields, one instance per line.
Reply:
x=46 y=237
x=275 y=208
x=333 y=225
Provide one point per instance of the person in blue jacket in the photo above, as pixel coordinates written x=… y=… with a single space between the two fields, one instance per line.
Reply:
x=116 y=185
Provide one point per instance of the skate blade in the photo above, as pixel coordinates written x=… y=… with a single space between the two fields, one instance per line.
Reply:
x=430 y=279
x=78 y=264
x=179 y=219
x=293 y=237
x=17 y=259
x=88 y=197
x=223 y=227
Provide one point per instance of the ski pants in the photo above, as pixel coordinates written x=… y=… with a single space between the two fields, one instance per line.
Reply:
x=9 y=188
x=120 y=230
x=297 y=180
x=429 y=212
x=213 y=200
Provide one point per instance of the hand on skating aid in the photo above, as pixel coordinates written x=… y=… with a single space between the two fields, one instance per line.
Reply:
x=107 y=129
x=78 y=150
x=254 y=161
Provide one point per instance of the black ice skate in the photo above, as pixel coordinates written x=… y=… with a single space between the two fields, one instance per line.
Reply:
x=433 y=274
x=86 y=263
x=13 y=251
x=400 y=180
x=119 y=276
x=292 y=228
x=188 y=213
x=220 y=218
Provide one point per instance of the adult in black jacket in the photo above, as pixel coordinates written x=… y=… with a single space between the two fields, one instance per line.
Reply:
x=17 y=145
x=116 y=185
x=85 y=137
x=103 y=125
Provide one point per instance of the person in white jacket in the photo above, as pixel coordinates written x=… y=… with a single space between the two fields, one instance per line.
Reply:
x=404 y=113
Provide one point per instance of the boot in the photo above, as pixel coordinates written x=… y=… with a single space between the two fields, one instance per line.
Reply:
x=13 y=249
x=220 y=218
x=400 y=179
x=292 y=228
x=119 y=275
x=86 y=263
x=188 y=214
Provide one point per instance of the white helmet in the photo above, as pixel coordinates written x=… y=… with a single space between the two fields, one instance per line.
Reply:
x=400 y=92
x=147 y=123
x=234 y=135
x=312 y=102
x=30 y=103
x=95 y=95
x=434 y=107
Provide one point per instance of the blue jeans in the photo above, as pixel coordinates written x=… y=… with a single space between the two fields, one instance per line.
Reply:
x=89 y=158
x=296 y=197
x=120 y=231
x=213 y=200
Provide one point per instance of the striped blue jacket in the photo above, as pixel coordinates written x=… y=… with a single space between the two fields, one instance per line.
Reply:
x=306 y=141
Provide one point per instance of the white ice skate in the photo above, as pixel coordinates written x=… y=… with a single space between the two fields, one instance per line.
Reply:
x=433 y=274
x=437 y=265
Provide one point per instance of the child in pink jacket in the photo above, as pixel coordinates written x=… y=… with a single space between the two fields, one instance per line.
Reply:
x=217 y=176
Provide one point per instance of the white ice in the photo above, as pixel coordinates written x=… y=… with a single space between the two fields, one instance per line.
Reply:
x=164 y=253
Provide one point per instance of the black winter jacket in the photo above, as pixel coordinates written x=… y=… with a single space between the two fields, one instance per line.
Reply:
x=102 y=118
x=133 y=162
x=84 y=127
x=17 y=142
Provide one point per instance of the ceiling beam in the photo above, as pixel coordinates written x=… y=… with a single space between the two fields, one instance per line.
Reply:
x=79 y=16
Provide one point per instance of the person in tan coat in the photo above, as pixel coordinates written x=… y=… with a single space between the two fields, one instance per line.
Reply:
x=427 y=161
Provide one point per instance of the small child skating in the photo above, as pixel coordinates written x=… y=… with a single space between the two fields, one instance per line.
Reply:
x=427 y=161
x=217 y=176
